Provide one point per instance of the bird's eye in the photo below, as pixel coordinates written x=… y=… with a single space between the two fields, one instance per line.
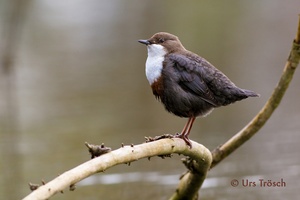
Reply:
x=161 y=40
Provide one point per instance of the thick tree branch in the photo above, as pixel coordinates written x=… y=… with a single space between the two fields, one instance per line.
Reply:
x=265 y=113
x=200 y=156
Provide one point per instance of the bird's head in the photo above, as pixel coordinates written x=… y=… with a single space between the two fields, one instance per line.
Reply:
x=162 y=43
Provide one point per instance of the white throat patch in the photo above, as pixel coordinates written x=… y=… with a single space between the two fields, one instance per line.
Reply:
x=154 y=63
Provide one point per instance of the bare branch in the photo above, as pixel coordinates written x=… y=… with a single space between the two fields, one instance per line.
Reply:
x=265 y=113
x=199 y=154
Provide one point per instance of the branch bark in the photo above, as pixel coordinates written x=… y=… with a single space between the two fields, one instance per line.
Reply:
x=200 y=156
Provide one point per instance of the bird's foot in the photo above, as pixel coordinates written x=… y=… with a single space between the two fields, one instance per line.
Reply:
x=185 y=138
x=164 y=136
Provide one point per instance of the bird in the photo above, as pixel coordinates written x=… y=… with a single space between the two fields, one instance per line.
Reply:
x=187 y=84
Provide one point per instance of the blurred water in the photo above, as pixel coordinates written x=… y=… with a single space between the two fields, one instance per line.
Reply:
x=80 y=77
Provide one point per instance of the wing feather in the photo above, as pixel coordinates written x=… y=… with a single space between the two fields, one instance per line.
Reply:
x=190 y=77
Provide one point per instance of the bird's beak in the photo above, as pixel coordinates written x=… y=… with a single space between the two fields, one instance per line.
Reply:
x=146 y=42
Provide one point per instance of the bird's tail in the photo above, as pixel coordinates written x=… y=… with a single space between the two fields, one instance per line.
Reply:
x=250 y=93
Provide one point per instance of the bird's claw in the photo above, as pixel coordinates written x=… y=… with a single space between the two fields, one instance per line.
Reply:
x=185 y=138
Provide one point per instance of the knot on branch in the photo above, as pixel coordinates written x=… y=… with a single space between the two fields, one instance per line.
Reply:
x=294 y=56
x=97 y=150
x=33 y=186
x=164 y=136
x=192 y=165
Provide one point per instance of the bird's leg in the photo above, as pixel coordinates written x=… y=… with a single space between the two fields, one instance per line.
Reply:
x=185 y=127
x=186 y=131
x=192 y=119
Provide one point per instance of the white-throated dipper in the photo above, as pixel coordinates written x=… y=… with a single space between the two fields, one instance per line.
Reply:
x=187 y=84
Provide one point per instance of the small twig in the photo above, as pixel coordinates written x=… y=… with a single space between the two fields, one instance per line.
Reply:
x=97 y=150
x=265 y=113
x=33 y=186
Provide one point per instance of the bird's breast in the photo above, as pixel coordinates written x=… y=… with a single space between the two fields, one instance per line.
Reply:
x=154 y=67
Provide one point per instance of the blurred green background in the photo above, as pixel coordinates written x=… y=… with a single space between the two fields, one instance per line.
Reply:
x=78 y=75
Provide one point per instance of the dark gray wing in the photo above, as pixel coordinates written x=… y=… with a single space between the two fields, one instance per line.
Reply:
x=190 y=76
